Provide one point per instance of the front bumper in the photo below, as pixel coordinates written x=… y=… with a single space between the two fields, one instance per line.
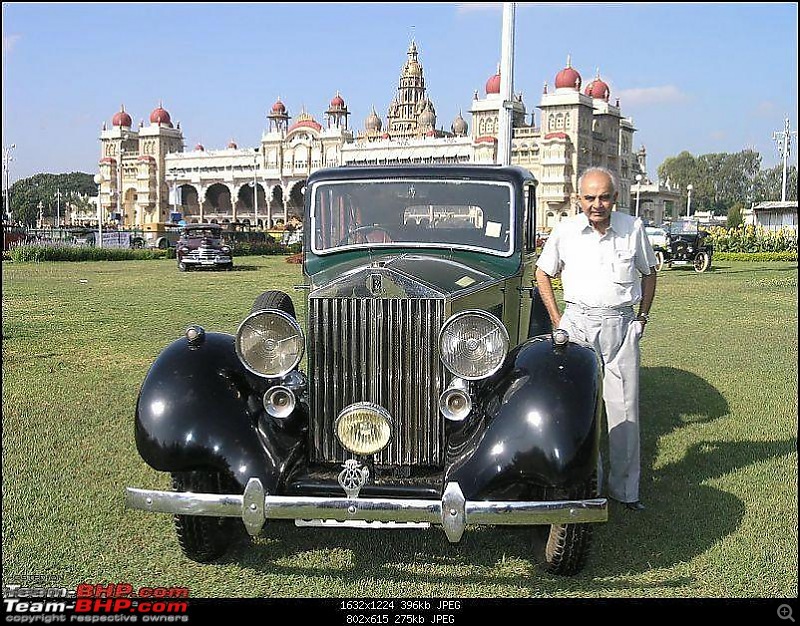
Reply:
x=207 y=261
x=453 y=512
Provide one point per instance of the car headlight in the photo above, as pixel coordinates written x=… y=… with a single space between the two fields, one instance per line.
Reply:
x=473 y=344
x=364 y=428
x=270 y=343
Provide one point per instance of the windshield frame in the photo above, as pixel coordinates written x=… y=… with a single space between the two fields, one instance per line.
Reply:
x=507 y=252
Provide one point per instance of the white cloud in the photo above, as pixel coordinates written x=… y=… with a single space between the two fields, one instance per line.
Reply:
x=766 y=108
x=665 y=94
x=9 y=41
x=479 y=6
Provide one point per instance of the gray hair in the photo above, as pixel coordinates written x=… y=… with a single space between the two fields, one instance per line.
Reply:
x=600 y=170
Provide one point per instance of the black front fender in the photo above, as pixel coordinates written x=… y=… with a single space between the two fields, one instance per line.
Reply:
x=198 y=408
x=539 y=426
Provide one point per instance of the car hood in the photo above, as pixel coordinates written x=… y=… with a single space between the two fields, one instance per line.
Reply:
x=400 y=276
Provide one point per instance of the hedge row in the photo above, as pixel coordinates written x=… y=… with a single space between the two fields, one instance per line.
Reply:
x=42 y=252
x=753 y=239
x=755 y=256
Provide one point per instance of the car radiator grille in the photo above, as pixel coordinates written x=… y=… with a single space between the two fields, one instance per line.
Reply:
x=382 y=351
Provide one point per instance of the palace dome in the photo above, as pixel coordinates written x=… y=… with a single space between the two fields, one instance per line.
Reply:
x=598 y=89
x=121 y=118
x=493 y=84
x=160 y=116
x=568 y=78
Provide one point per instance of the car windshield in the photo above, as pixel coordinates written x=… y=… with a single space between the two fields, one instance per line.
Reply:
x=413 y=213
x=683 y=228
x=204 y=233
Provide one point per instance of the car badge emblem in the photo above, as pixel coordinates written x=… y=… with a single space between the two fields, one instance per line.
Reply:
x=375 y=285
x=353 y=477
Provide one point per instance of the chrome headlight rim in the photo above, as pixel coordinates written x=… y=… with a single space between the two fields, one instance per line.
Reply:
x=363 y=406
x=292 y=322
x=475 y=313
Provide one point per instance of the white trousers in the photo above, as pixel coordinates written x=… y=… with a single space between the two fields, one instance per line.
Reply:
x=614 y=335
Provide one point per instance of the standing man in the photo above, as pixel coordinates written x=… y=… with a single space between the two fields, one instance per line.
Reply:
x=607 y=267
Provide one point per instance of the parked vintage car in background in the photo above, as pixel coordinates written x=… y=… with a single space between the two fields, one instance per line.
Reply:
x=435 y=391
x=657 y=236
x=686 y=244
x=157 y=235
x=200 y=246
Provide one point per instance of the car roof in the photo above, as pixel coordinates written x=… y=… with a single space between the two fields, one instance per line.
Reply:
x=509 y=173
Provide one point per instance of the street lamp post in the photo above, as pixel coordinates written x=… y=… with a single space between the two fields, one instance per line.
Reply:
x=58 y=208
x=98 y=180
x=174 y=180
x=689 y=200
x=638 y=190
x=120 y=210
x=7 y=158
x=255 y=186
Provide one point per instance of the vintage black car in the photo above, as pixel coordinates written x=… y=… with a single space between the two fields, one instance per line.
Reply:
x=434 y=392
x=201 y=246
x=686 y=244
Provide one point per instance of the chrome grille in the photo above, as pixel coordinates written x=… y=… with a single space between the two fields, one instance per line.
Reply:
x=382 y=351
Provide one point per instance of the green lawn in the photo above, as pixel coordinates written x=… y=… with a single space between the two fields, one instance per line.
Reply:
x=719 y=413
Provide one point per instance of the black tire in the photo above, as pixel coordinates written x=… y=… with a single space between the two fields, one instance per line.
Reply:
x=567 y=546
x=182 y=267
x=137 y=243
x=274 y=299
x=205 y=539
x=659 y=260
x=163 y=244
x=702 y=261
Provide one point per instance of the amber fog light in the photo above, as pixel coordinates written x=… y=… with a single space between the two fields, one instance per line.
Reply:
x=455 y=403
x=279 y=402
x=270 y=343
x=364 y=428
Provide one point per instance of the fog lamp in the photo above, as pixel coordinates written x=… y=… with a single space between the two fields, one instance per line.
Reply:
x=364 y=428
x=279 y=401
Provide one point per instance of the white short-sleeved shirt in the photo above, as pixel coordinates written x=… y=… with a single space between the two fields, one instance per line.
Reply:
x=599 y=270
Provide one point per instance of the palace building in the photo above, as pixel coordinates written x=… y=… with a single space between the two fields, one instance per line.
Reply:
x=149 y=177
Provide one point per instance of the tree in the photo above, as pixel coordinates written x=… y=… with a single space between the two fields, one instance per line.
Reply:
x=735 y=216
x=29 y=194
x=769 y=182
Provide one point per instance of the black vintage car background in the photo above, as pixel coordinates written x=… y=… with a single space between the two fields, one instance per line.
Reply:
x=201 y=246
x=687 y=244
x=435 y=390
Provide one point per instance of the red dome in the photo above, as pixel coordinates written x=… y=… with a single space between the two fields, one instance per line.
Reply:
x=337 y=102
x=200 y=147
x=385 y=136
x=160 y=116
x=568 y=78
x=278 y=107
x=232 y=144
x=598 y=89
x=493 y=84
x=121 y=118
x=304 y=120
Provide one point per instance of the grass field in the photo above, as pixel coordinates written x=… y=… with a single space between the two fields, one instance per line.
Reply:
x=719 y=427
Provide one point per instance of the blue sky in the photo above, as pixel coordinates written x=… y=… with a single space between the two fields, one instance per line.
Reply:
x=698 y=77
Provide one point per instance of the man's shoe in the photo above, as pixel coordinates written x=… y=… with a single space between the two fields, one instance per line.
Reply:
x=635 y=506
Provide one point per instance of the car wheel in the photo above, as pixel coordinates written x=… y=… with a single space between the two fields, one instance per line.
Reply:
x=182 y=267
x=274 y=299
x=205 y=539
x=137 y=244
x=567 y=545
x=659 y=260
x=702 y=262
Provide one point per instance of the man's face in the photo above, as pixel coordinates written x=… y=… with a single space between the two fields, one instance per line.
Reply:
x=597 y=197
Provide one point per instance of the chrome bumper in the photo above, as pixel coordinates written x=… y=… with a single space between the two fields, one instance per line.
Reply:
x=453 y=512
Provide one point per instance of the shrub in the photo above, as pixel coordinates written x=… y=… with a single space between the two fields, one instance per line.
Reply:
x=756 y=256
x=753 y=239
x=53 y=252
